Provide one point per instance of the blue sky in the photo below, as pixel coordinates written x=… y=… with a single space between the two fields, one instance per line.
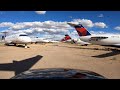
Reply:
x=94 y=21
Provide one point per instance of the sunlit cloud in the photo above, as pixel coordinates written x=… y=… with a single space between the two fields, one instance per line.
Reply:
x=117 y=28
x=101 y=15
x=40 y=12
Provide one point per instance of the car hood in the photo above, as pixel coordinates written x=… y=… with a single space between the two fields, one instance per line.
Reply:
x=58 y=73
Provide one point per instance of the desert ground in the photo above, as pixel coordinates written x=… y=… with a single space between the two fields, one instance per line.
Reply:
x=99 y=59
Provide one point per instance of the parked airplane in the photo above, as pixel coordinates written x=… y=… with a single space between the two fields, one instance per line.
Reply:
x=53 y=41
x=38 y=40
x=105 y=40
x=67 y=38
x=20 y=38
x=42 y=40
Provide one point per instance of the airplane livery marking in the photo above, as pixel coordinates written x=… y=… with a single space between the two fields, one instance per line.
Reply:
x=67 y=38
x=81 y=31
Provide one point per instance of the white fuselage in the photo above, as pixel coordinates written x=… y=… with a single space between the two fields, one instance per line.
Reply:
x=39 y=40
x=105 y=40
x=53 y=41
x=17 y=39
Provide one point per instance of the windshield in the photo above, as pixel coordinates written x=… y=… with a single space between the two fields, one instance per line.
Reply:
x=62 y=40
x=23 y=35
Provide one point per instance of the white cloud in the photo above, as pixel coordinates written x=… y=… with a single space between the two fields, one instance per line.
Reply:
x=49 y=27
x=97 y=32
x=38 y=30
x=101 y=15
x=92 y=32
x=101 y=32
x=6 y=24
x=55 y=31
x=74 y=33
x=89 y=23
x=84 y=22
x=53 y=37
x=28 y=31
x=100 y=25
x=11 y=32
x=45 y=24
x=46 y=27
x=17 y=27
x=117 y=28
x=40 y=12
x=24 y=25
x=70 y=16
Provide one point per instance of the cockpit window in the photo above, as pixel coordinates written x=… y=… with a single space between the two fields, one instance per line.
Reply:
x=23 y=35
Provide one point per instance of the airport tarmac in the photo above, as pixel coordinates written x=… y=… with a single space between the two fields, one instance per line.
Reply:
x=99 y=59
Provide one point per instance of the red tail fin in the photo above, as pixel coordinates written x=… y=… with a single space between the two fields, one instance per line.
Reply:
x=67 y=37
x=80 y=29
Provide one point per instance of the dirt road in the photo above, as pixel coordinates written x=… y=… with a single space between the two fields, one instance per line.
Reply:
x=14 y=60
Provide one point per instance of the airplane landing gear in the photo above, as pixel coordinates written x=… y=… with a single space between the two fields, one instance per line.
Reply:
x=26 y=46
x=15 y=44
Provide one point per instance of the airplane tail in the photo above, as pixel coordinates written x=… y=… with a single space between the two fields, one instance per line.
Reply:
x=67 y=37
x=80 y=29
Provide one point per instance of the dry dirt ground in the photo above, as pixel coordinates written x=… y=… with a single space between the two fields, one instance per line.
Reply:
x=99 y=59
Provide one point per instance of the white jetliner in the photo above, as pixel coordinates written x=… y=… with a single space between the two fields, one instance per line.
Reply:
x=20 y=38
x=39 y=40
x=106 y=40
x=67 y=38
x=53 y=41
x=43 y=40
